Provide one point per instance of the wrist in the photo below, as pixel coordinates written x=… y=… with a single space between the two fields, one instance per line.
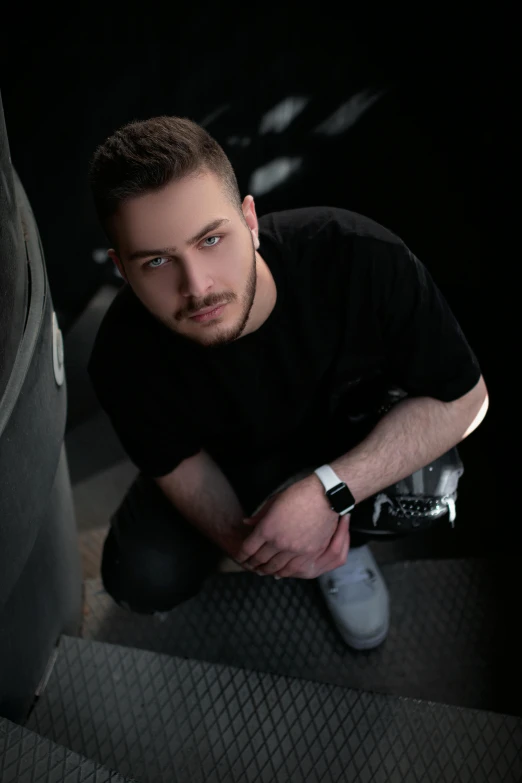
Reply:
x=314 y=489
x=336 y=492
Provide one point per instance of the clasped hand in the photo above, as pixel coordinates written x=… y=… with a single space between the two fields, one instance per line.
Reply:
x=292 y=538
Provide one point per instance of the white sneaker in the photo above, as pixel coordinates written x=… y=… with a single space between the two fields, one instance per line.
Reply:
x=358 y=600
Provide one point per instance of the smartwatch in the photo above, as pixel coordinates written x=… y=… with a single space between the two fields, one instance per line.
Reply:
x=339 y=496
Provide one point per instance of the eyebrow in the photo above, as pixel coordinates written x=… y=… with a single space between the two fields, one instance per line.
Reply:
x=162 y=251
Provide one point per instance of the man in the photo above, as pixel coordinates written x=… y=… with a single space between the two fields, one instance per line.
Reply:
x=269 y=377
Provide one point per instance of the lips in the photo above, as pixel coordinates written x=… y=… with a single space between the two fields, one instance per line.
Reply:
x=207 y=309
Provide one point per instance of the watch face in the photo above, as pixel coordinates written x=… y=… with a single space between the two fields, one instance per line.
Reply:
x=341 y=497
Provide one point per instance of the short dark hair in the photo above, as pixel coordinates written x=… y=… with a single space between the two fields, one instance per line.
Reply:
x=144 y=156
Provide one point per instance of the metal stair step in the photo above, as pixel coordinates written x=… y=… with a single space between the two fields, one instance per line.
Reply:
x=451 y=637
x=163 y=719
x=26 y=757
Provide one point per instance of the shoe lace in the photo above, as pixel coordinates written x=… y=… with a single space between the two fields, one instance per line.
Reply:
x=349 y=575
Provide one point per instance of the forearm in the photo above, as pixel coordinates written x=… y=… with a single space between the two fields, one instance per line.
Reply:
x=413 y=433
x=201 y=492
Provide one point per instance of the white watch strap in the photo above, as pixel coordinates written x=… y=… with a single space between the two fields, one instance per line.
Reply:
x=328 y=477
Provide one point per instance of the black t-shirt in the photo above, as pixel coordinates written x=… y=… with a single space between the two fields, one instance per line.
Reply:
x=357 y=315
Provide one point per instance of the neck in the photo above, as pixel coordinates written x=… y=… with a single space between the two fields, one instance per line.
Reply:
x=266 y=295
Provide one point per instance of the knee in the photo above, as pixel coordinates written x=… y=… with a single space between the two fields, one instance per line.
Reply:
x=146 y=579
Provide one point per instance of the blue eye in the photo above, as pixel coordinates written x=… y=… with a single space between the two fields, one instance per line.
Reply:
x=214 y=237
x=149 y=263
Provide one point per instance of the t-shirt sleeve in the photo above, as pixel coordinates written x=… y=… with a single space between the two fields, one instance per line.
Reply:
x=425 y=349
x=150 y=422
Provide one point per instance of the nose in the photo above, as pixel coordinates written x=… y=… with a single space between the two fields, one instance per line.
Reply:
x=195 y=282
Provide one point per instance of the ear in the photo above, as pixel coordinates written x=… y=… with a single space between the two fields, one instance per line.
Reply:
x=249 y=212
x=117 y=261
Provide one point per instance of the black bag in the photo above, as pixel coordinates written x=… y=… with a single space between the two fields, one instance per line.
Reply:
x=414 y=503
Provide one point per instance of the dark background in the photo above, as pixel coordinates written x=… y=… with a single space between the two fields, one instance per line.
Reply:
x=418 y=147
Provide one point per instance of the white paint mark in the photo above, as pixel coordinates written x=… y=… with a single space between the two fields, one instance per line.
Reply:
x=281 y=115
x=452 y=509
x=379 y=501
x=239 y=141
x=214 y=114
x=266 y=178
x=349 y=113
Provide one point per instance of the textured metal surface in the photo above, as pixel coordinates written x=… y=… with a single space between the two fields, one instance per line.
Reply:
x=451 y=636
x=40 y=579
x=25 y=757
x=13 y=267
x=164 y=720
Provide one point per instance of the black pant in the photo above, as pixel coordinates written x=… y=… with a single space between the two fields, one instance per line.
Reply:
x=153 y=559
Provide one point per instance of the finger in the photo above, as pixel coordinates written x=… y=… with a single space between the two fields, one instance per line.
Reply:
x=337 y=540
x=346 y=542
x=335 y=557
x=251 y=546
x=335 y=548
x=306 y=567
x=334 y=551
x=310 y=568
x=345 y=549
x=287 y=570
x=307 y=570
x=302 y=566
x=299 y=567
x=277 y=563
x=262 y=556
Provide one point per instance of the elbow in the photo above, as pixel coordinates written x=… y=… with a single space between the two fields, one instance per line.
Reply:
x=471 y=409
x=482 y=403
x=478 y=418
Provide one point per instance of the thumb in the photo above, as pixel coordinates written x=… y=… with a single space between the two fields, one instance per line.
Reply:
x=249 y=521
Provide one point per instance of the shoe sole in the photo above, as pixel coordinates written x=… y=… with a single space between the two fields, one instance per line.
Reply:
x=368 y=643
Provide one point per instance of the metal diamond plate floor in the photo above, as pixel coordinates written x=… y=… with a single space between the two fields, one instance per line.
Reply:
x=25 y=757
x=162 y=719
x=451 y=636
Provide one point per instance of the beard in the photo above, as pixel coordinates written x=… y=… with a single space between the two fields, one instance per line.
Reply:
x=222 y=334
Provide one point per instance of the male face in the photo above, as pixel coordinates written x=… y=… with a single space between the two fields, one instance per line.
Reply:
x=185 y=248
